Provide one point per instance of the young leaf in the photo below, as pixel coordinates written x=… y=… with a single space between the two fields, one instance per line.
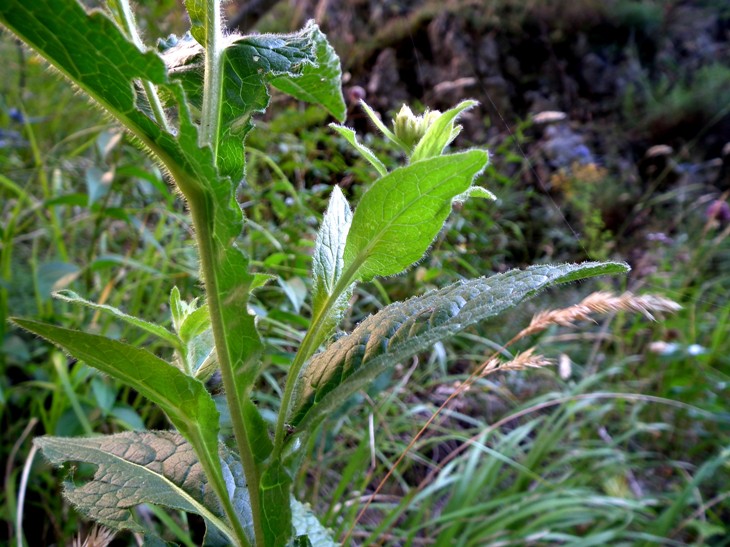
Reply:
x=364 y=151
x=476 y=192
x=400 y=215
x=157 y=467
x=406 y=328
x=329 y=249
x=156 y=330
x=196 y=322
x=381 y=126
x=440 y=133
x=178 y=308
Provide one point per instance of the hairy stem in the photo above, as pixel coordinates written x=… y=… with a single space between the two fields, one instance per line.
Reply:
x=201 y=209
x=213 y=79
x=312 y=339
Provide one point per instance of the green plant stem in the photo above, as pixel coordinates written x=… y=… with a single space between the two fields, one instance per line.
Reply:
x=201 y=207
x=125 y=17
x=311 y=341
x=213 y=79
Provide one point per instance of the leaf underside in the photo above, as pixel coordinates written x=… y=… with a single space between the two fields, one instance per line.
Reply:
x=406 y=328
x=158 y=467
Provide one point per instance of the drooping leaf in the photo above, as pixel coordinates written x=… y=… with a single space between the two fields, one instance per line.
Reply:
x=440 y=133
x=249 y=63
x=364 y=151
x=406 y=328
x=398 y=218
x=318 y=83
x=184 y=399
x=157 y=467
x=301 y=63
x=156 y=330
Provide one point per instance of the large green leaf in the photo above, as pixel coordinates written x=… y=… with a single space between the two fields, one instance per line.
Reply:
x=319 y=83
x=184 y=399
x=65 y=34
x=302 y=64
x=157 y=467
x=275 y=502
x=400 y=215
x=406 y=328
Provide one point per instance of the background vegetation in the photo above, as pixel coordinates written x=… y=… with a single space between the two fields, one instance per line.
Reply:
x=626 y=442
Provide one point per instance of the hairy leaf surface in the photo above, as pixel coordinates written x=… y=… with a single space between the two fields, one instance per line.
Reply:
x=398 y=218
x=328 y=259
x=307 y=524
x=350 y=136
x=158 y=467
x=405 y=328
x=441 y=133
x=319 y=83
x=301 y=64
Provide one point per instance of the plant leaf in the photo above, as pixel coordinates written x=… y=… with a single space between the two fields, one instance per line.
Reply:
x=400 y=215
x=157 y=467
x=307 y=524
x=196 y=322
x=275 y=502
x=249 y=64
x=198 y=19
x=351 y=137
x=319 y=83
x=185 y=400
x=63 y=32
x=406 y=328
x=476 y=192
x=440 y=133
x=156 y=330
x=328 y=259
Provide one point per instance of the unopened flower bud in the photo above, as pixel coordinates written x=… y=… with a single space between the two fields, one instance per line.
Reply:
x=410 y=128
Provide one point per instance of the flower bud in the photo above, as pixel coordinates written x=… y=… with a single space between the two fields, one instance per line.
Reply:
x=410 y=128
